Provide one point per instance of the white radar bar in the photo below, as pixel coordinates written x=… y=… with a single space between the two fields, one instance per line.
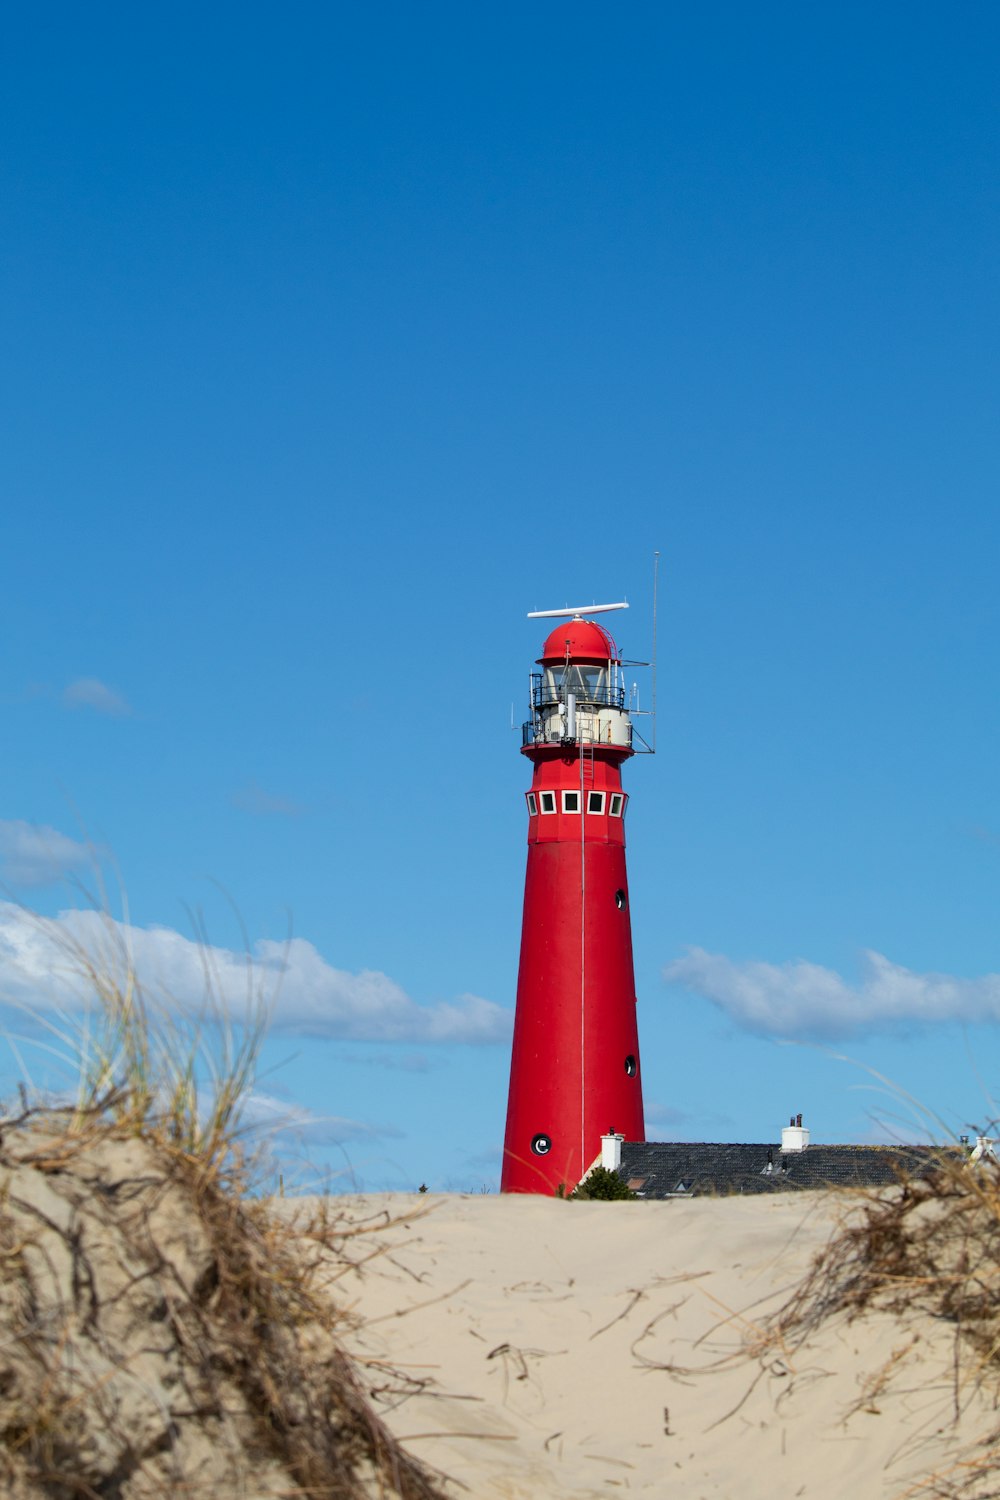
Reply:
x=586 y=609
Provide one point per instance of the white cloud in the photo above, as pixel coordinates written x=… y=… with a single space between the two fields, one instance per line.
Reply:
x=797 y=999
x=90 y=692
x=664 y=1114
x=398 y=1062
x=304 y=993
x=34 y=854
x=253 y=799
x=266 y=1115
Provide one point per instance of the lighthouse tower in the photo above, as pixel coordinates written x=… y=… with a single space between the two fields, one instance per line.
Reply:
x=574 y=1072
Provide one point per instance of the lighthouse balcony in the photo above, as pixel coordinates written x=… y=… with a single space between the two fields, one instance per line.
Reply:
x=548 y=693
x=609 y=726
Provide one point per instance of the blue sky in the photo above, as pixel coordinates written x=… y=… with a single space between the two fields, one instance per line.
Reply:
x=332 y=340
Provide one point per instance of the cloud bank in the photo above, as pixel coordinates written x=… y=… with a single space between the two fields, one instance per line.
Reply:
x=90 y=692
x=40 y=970
x=800 y=999
x=34 y=854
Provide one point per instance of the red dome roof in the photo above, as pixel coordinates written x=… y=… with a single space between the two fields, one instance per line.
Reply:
x=588 y=641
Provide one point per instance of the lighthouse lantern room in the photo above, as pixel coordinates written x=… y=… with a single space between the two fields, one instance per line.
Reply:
x=575 y=1073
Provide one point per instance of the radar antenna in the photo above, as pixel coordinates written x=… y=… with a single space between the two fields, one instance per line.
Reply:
x=576 y=614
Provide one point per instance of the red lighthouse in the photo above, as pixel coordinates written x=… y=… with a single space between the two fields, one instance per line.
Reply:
x=574 y=1072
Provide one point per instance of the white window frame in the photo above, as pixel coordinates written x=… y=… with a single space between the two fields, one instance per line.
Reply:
x=532 y=802
x=599 y=809
x=573 y=811
x=551 y=798
x=619 y=810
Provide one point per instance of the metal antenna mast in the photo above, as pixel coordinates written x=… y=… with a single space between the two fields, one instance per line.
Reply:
x=656 y=574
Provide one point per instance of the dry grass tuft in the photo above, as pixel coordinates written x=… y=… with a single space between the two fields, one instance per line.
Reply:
x=931 y=1245
x=161 y=1331
x=930 y=1248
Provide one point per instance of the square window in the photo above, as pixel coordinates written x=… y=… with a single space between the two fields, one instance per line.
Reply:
x=616 y=804
x=571 y=802
x=548 y=801
x=532 y=804
x=595 y=802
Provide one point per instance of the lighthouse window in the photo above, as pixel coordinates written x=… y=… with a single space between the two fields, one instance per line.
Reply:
x=532 y=803
x=571 y=802
x=595 y=802
x=620 y=900
x=631 y=1066
x=548 y=800
x=594 y=683
x=541 y=1144
x=616 y=804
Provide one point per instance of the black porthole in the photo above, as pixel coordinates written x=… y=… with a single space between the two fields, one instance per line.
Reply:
x=631 y=1066
x=620 y=899
x=541 y=1144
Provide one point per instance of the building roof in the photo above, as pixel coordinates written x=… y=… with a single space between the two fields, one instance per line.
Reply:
x=670 y=1169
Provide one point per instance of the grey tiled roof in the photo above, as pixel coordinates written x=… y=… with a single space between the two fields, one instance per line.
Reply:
x=669 y=1168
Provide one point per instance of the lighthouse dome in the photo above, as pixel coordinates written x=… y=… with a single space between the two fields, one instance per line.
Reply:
x=586 y=640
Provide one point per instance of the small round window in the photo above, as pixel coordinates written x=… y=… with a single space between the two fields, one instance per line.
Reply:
x=620 y=899
x=541 y=1144
x=631 y=1066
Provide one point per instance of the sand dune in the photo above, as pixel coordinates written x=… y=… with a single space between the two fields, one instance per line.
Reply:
x=584 y=1349
x=159 y=1336
x=161 y=1333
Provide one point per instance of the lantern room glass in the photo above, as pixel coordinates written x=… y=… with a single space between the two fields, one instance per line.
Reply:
x=589 y=683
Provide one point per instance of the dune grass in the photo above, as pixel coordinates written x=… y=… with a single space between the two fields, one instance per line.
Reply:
x=930 y=1248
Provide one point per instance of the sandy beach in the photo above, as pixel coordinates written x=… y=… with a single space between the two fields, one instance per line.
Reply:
x=580 y=1349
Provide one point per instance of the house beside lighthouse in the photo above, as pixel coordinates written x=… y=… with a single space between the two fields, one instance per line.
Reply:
x=575 y=1073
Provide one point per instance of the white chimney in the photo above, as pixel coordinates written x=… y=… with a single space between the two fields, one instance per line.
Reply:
x=611 y=1151
x=794 y=1137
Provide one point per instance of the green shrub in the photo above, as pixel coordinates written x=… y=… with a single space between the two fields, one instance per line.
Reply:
x=605 y=1185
